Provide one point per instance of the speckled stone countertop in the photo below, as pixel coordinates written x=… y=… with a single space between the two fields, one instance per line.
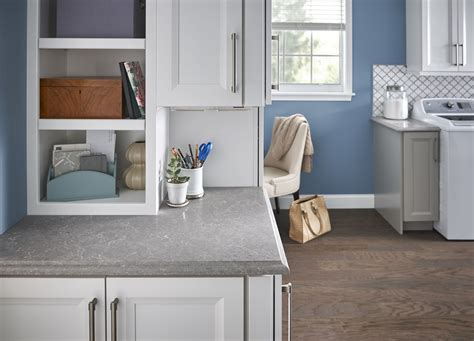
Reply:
x=229 y=232
x=405 y=125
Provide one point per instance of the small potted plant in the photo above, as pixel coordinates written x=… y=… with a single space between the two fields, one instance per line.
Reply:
x=177 y=185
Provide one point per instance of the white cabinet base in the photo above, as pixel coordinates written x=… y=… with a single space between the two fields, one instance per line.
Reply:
x=43 y=309
x=178 y=308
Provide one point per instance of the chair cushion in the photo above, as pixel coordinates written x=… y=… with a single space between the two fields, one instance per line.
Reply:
x=278 y=182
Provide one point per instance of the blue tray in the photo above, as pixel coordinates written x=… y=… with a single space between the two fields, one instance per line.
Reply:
x=82 y=185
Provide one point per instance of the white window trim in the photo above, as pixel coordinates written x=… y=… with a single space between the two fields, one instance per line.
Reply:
x=346 y=94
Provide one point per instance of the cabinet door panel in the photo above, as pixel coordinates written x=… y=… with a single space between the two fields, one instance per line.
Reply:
x=421 y=176
x=195 y=60
x=466 y=35
x=440 y=30
x=178 y=308
x=44 y=309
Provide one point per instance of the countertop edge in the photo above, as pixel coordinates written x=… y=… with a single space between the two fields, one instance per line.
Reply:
x=405 y=125
x=215 y=269
x=276 y=233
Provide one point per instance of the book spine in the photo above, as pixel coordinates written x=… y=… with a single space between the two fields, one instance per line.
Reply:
x=137 y=82
x=126 y=90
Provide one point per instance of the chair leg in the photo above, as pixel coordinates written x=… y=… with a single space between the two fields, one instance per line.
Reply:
x=296 y=195
x=277 y=205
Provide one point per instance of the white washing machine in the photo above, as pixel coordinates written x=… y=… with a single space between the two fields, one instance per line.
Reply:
x=455 y=117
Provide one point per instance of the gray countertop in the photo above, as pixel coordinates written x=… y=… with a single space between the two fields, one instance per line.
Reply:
x=405 y=125
x=229 y=232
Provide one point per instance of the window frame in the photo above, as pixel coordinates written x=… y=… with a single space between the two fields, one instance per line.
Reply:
x=323 y=92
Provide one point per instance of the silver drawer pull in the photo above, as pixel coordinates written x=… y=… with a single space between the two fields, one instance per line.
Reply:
x=456 y=54
x=91 y=307
x=288 y=288
x=233 y=38
x=113 y=319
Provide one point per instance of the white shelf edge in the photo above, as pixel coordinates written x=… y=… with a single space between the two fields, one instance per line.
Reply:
x=91 y=124
x=92 y=43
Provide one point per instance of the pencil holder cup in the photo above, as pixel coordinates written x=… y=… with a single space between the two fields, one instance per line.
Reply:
x=195 y=189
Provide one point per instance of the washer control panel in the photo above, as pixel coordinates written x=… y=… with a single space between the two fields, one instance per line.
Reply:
x=452 y=106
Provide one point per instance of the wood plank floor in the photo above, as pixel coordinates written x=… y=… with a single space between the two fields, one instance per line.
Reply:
x=363 y=281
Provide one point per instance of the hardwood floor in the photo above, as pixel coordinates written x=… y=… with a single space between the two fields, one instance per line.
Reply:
x=363 y=281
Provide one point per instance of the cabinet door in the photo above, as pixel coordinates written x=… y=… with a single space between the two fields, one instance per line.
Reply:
x=43 y=309
x=421 y=176
x=440 y=35
x=199 y=52
x=177 y=308
x=466 y=35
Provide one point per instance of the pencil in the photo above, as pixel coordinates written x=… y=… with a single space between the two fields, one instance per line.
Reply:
x=197 y=155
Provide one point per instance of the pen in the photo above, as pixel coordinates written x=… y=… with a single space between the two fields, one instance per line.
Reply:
x=183 y=158
x=191 y=152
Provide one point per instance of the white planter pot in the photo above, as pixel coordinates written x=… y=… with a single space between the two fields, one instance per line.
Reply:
x=195 y=189
x=177 y=192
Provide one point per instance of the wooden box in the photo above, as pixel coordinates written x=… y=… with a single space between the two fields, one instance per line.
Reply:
x=81 y=98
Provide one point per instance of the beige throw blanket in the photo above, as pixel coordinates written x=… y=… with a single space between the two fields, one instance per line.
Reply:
x=284 y=133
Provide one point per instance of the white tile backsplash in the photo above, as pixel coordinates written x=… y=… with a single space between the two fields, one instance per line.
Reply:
x=417 y=86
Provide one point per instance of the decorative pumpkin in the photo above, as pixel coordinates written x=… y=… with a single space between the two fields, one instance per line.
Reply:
x=135 y=175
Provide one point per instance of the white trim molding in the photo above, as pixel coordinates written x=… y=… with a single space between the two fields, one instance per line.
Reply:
x=336 y=201
x=312 y=96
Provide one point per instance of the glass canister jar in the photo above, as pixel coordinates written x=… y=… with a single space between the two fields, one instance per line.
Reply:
x=395 y=106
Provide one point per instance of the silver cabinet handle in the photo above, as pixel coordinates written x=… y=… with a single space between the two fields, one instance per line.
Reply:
x=436 y=149
x=113 y=319
x=233 y=38
x=456 y=54
x=91 y=307
x=277 y=85
x=461 y=47
x=287 y=288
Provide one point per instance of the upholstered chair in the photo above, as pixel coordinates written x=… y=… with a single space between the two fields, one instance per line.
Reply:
x=282 y=177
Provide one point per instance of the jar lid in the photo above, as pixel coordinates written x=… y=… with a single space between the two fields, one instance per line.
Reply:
x=395 y=88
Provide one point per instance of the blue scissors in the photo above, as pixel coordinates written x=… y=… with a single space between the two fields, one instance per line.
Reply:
x=204 y=150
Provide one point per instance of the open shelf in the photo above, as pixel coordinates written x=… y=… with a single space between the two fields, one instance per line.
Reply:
x=91 y=124
x=126 y=196
x=92 y=43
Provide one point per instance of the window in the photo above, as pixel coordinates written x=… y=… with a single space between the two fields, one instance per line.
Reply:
x=312 y=49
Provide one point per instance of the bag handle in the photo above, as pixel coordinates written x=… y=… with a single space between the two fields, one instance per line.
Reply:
x=316 y=212
x=306 y=219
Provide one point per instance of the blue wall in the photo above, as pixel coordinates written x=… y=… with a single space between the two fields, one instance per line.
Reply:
x=12 y=112
x=342 y=131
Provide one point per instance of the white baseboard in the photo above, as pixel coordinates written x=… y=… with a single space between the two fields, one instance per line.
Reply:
x=335 y=201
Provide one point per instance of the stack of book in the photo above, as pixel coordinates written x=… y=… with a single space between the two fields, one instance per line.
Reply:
x=133 y=83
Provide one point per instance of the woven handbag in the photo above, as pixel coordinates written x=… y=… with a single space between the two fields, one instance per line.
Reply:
x=309 y=219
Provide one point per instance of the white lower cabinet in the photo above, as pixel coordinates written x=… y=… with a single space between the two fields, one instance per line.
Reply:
x=44 y=309
x=141 y=309
x=176 y=308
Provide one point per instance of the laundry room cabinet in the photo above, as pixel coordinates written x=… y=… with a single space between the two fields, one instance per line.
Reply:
x=34 y=309
x=132 y=308
x=406 y=173
x=440 y=36
x=176 y=309
x=208 y=55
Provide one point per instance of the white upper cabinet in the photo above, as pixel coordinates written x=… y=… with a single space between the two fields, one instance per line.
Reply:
x=440 y=36
x=466 y=35
x=199 y=52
